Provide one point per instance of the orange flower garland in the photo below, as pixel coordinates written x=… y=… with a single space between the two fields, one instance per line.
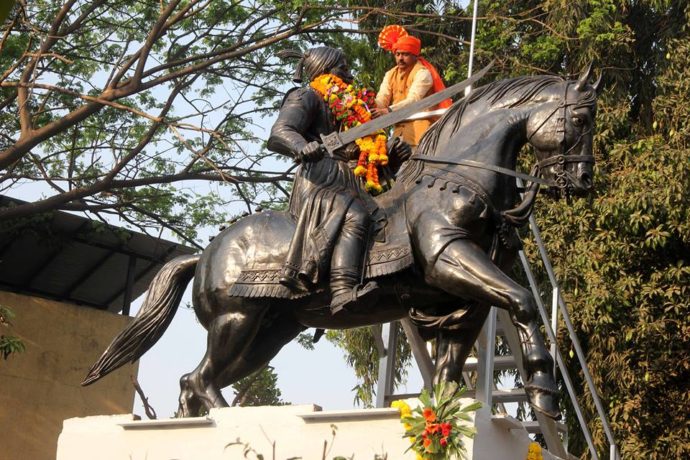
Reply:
x=350 y=106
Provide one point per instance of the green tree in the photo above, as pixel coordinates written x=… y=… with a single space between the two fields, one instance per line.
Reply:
x=622 y=255
x=9 y=344
x=124 y=109
x=258 y=389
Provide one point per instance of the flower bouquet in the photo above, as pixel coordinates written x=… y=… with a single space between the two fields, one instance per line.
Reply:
x=435 y=428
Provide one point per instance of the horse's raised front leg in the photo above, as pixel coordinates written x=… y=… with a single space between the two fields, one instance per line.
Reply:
x=466 y=271
x=229 y=335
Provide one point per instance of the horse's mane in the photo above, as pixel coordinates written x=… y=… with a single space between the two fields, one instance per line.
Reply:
x=519 y=90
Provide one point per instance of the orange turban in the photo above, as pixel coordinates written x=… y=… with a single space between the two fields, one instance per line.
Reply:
x=408 y=44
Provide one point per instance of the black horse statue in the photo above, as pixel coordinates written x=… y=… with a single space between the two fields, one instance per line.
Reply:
x=444 y=240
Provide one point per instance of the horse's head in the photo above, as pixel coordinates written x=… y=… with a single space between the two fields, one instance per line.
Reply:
x=561 y=132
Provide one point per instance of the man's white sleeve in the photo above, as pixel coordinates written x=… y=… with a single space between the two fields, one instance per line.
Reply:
x=384 y=96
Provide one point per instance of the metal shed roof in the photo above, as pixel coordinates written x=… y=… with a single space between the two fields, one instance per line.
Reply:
x=69 y=258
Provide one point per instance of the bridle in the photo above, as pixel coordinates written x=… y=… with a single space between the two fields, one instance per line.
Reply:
x=562 y=178
x=559 y=161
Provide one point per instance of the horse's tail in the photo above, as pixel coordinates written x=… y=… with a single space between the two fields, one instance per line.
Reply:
x=154 y=317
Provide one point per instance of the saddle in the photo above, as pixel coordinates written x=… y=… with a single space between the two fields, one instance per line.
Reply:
x=388 y=251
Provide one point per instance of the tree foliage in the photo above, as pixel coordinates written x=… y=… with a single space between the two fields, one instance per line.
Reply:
x=9 y=344
x=258 y=389
x=622 y=255
x=361 y=353
x=129 y=109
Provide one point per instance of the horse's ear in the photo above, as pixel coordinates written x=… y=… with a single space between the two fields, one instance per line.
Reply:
x=584 y=77
x=597 y=84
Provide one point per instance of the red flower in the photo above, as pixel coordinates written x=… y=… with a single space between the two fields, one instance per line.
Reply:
x=429 y=414
x=433 y=428
x=444 y=442
x=446 y=429
x=427 y=442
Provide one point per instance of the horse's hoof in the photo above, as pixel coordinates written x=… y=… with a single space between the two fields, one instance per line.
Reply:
x=358 y=299
x=543 y=395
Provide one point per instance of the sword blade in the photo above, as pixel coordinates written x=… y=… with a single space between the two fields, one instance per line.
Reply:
x=336 y=140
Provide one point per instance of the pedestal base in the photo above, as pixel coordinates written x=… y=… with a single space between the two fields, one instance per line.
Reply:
x=277 y=433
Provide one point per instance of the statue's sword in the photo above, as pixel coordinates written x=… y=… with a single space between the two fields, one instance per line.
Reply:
x=337 y=140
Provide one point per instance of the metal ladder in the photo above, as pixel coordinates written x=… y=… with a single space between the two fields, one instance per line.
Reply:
x=485 y=363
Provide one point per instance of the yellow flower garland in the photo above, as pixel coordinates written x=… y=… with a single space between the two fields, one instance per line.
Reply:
x=534 y=452
x=350 y=106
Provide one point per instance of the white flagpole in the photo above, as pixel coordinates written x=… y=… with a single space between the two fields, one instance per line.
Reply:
x=474 y=33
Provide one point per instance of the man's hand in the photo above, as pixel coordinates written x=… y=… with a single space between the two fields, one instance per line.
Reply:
x=313 y=151
x=378 y=112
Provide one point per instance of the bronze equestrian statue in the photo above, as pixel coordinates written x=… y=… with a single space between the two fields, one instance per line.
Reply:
x=443 y=240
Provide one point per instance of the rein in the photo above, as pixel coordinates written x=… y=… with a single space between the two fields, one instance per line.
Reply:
x=476 y=164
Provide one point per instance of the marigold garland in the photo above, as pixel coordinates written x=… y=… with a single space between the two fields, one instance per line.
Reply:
x=350 y=106
x=534 y=452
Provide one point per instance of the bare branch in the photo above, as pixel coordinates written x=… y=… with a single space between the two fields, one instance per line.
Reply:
x=155 y=33
x=150 y=411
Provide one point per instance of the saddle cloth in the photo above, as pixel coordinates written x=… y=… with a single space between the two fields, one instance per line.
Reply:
x=389 y=251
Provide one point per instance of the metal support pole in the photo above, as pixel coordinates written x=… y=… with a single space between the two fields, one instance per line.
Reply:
x=554 y=326
x=420 y=352
x=571 y=331
x=486 y=348
x=613 y=452
x=559 y=360
x=389 y=335
x=468 y=90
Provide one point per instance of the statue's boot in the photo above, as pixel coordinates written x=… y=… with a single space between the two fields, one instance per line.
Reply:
x=541 y=387
x=351 y=296
x=290 y=279
x=346 y=264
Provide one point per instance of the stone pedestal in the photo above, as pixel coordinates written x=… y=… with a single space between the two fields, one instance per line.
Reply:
x=277 y=433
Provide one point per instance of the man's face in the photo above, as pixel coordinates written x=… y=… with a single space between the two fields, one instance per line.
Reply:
x=342 y=71
x=405 y=60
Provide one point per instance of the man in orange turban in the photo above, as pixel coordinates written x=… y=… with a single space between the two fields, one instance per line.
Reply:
x=412 y=79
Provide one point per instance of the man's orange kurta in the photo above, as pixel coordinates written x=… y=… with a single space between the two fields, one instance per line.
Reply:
x=410 y=131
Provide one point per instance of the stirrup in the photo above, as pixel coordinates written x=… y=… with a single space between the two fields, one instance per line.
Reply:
x=356 y=299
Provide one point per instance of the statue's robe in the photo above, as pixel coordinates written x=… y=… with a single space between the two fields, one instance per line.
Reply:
x=323 y=191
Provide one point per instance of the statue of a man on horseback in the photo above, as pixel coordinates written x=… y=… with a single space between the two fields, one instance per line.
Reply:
x=440 y=259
